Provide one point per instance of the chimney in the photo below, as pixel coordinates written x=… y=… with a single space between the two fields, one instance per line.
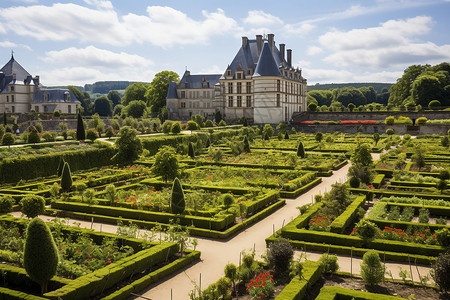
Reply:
x=244 y=42
x=259 y=43
x=271 y=41
x=289 y=57
x=36 y=80
x=282 y=50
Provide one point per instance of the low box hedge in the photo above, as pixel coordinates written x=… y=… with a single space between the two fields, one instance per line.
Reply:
x=301 y=190
x=8 y=294
x=342 y=221
x=302 y=220
x=296 y=289
x=339 y=293
x=434 y=210
x=378 y=180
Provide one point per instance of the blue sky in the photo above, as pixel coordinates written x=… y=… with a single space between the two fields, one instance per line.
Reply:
x=78 y=42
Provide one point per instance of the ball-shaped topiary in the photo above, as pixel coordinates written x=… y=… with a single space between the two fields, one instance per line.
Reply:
x=372 y=270
x=176 y=127
x=390 y=131
x=301 y=150
x=33 y=135
x=177 y=202
x=441 y=272
x=329 y=263
x=92 y=134
x=366 y=229
x=444 y=175
x=227 y=200
x=66 y=178
x=6 y=204
x=40 y=256
x=8 y=139
x=32 y=206
x=354 y=182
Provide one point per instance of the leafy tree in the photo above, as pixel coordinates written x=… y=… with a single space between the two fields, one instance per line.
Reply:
x=322 y=97
x=118 y=109
x=103 y=106
x=227 y=200
x=156 y=92
x=361 y=156
x=81 y=132
x=176 y=127
x=135 y=91
x=114 y=97
x=369 y=93
x=177 y=202
x=354 y=182
x=301 y=150
x=6 y=204
x=191 y=125
x=419 y=157
x=372 y=270
x=128 y=146
x=8 y=139
x=348 y=95
x=426 y=88
x=135 y=108
x=166 y=163
x=199 y=120
x=319 y=137
x=84 y=98
x=191 y=151
x=444 y=175
x=267 y=131
x=445 y=141
x=231 y=272
x=401 y=90
x=279 y=256
x=366 y=229
x=66 y=178
x=441 y=185
x=282 y=127
x=32 y=206
x=110 y=193
x=167 y=126
x=40 y=255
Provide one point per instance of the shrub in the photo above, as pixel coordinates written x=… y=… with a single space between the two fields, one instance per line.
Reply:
x=222 y=123
x=434 y=104
x=444 y=175
x=376 y=138
x=60 y=166
x=66 y=178
x=372 y=270
x=128 y=145
x=312 y=106
x=40 y=256
x=443 y=237
x=231 y=272
x=33 y=135
x=191 y=151
x=354 y=182
x=167 y=126
x=329 y=263
x=39 y=127
x=176 y=127
x=81 y=131
x=8 y=139
x=246 y=145
x=441 y=272
x=177 y=202
x=166 y=163
x=48 y=137
x=32 y=206
x=389 y=120
x=444 y=141
x=109 y=132
x=6 y=204
x=366 y=229
x=209 y=123
x=421 y=121
x=319 y=137
x=390 y=131
x=301 y=150
x=227 y=200
x=279 y=256
x=191 y=125
x=286 y=136
x=92 y=134
x=267 y=132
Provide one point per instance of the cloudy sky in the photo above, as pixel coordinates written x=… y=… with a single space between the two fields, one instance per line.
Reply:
x=78 y=42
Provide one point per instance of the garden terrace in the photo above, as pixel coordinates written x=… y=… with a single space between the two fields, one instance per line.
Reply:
x=105 y=274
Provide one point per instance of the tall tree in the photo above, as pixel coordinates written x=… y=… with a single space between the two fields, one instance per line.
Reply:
x=81 y=131
x=401 y=90
x=128 y=145
x=84 y=98
x=103 y=106
x=157 y=91
x=135 y=91
x=115 y=98
x=135 y=109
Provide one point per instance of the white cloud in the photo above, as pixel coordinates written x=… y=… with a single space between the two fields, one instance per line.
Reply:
x=8 y=44
x=92 y=56
x=303 y=63
x=313 y=50
x=162 y=26
x=383 y=76
x=260 y=18
x=214 y=69
x=301 y=28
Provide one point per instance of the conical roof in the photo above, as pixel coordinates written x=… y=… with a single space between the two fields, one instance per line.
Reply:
x=13 y=67
x=266 y=65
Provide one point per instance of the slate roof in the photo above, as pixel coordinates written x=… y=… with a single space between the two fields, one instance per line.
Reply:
x=196 y=81
x=55 y=96
x=247 y=58
x=13 y=67
x=267 y=65
x=172 y=91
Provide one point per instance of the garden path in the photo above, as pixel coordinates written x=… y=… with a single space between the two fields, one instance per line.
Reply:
x=217 y=253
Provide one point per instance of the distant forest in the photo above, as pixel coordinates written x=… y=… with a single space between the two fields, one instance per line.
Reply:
x=378 y=87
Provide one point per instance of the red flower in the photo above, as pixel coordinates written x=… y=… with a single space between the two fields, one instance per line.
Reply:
x=108 y=261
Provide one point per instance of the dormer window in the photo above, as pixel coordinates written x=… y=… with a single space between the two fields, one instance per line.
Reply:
x=228 y=72
x=239 y=75
x=11 y=88
x=45 y=97
x=66 y=97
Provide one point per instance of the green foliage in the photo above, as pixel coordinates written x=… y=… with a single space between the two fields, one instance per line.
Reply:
x=246 y=145
x=60 y=166
x=156 y=92
x=191 y=125
x=166 y=163
x=227 y=200
x=66 y=178
x=40 y=257
x=81 y=133
x=279 y=256
x=376 y=138
x=177 y=202
x=361 y=156
x=267 y=132
x=441 y=272
x=209 y=123
x=445 y=141
x=48 y=136
x=176 y=127
x=191 y=152
x=103 y=106
x=6 y=204
x=128 y=146
x=312 y=106
x=301 y=150
x=354 y=182
x=389 y=131
x=109 y=133
x=135 y=91
x=421 y=121
x=444 y=175
x=318 y=137
x=32 y=206
x=199 y=120
x=329 y=263
x=443 y=237
x=262 y=287
x=92 y=134
x=135 y=109
x=282 y=127
x=434 y=104
x=419 y=157
x=33 y=135
x=366 y=229
x=372 y=270
x=8 y=139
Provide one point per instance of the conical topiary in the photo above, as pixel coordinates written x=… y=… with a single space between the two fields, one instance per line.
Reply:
x=66 y=178
x=208 y=143
x=246 y=145
x=60 y=166
x=286 y=135
x=191 y=150
x=81 y=132
x=177 y=203
x=300 y=150
x=40 y=256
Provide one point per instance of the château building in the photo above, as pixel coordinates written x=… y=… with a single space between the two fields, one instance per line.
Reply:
x=260 y=84
x=22 y=93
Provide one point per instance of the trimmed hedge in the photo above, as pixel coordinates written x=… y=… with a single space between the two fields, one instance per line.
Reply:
x=302 y=220
x=96 y=282
x=33 y=166
x=8 y=294
x=341 y=222
x=301 y=190
x=434 y=210
x=143 y=282
x=378 y=180
x=296 y=289
x=338 y=293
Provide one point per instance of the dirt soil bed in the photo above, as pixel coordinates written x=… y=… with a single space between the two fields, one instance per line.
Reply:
x=386 y=288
